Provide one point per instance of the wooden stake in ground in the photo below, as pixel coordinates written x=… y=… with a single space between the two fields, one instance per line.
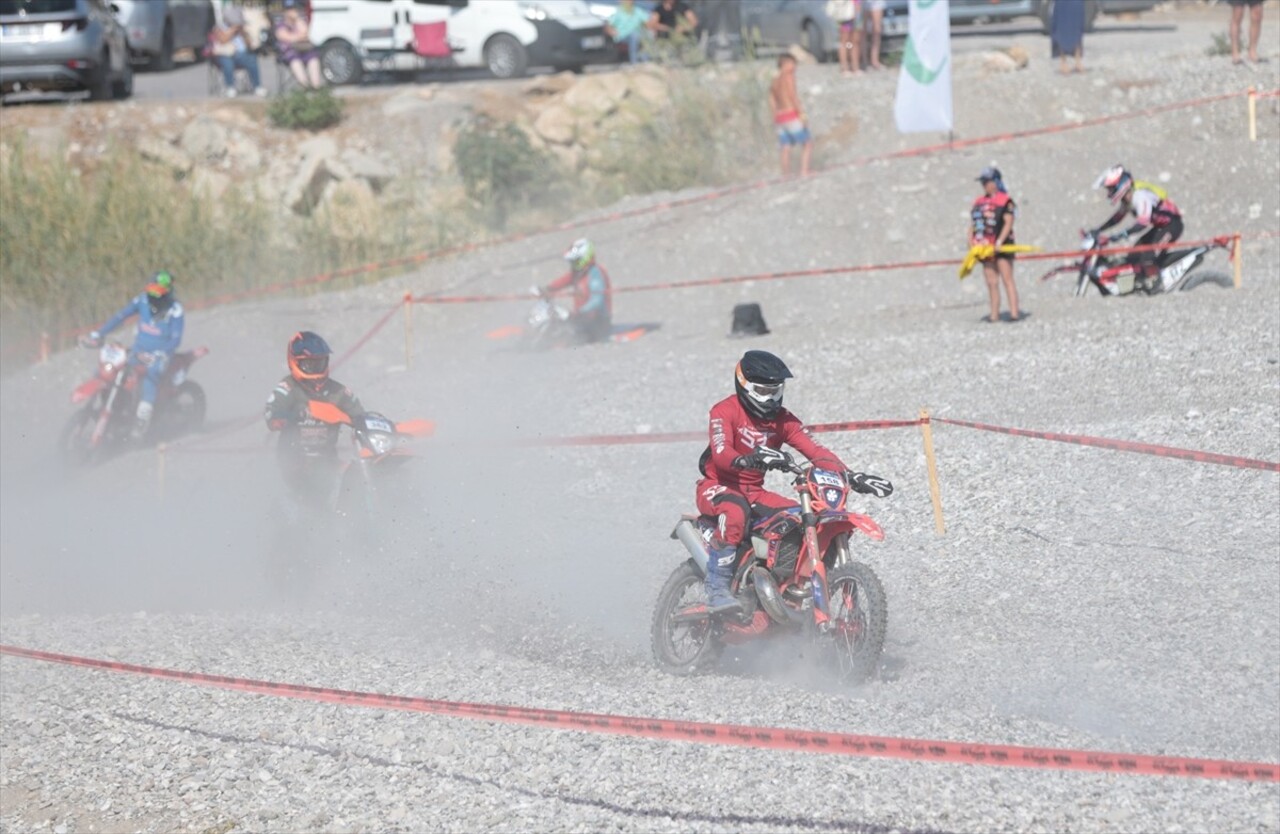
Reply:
x=1253 y=114
x=926 y=431
x=44 y=347
x=161 y=452
x=408 y=329
x=1236 y=253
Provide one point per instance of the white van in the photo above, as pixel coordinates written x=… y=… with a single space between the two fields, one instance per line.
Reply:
x=507 y=36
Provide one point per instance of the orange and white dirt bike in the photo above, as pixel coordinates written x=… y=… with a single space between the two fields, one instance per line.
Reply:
x=108 y=403
x=795 y=575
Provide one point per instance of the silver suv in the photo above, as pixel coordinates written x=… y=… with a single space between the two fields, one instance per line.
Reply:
x=155 y=28
x=63 y=46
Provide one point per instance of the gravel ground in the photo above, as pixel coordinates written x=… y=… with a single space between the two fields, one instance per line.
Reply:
x=1081 y=598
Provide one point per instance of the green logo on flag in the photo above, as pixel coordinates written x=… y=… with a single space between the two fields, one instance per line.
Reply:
x=916 y=68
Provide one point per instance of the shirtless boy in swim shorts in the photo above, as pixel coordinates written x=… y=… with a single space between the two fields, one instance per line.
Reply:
x=788 y=116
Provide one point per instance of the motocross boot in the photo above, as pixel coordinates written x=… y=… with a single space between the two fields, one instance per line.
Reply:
x=143 y=421
x=719 y=577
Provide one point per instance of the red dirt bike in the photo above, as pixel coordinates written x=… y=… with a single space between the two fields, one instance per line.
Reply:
x=794 y=576
x=1176 y=269
x=110 y=401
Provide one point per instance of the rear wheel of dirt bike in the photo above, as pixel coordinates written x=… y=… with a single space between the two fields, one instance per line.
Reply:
x=683 y=647
x=860 y=615
x=74 y=442
x=1199 y=279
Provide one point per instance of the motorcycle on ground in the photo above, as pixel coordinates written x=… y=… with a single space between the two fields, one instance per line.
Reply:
x=109 y=399
x=795 y=576
x=1113 y=275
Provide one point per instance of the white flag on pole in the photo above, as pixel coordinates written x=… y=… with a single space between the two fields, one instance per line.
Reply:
x=924 y=84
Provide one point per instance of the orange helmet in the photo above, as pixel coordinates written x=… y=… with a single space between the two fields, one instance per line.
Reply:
x=308 y=357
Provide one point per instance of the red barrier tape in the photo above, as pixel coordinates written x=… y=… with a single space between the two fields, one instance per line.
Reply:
x=1123 y=446
x=684 y=436
x=733 y=735
x=1222 y=240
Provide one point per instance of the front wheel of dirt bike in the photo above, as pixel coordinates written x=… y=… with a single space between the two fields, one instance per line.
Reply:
x=75 y=444
x=186 y=408
x=1199 y=279
x=859 y=618
x=683 y=647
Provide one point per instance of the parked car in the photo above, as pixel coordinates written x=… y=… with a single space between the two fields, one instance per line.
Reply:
x=781 y=23
x=157 y=28
x=506 y=36
x=974 y=11
x=63 y=46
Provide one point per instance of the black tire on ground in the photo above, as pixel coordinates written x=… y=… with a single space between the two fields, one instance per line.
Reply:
x=73 y=442
x=162 y=61
x=858 y=637
x=340 y=63
x=682 y=648
x=186 y=409
x=506 y=57
x=100 y=79
x=1199 y=279
x=123 y=86
x=813 y=41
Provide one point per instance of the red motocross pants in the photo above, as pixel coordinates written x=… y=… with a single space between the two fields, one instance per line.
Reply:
x=735 y=509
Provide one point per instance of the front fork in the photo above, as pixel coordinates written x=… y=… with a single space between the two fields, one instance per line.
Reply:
x=104 y=416
x=817 y=570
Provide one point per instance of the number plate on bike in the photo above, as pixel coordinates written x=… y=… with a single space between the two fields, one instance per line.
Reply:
x=824 y=478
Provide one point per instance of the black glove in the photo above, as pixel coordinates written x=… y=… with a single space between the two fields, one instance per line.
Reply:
x=870 y=484
x=763 y=458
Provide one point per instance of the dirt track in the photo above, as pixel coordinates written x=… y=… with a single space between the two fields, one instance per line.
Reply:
x=1080 y=598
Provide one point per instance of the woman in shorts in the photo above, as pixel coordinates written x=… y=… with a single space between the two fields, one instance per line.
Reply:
x=848 y=14
x=992 y=223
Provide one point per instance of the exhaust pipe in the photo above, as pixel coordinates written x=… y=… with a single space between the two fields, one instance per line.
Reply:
x=692 y=541
x=771 y=600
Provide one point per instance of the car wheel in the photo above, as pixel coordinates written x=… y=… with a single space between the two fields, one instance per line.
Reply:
x=162 y=61
x=100 y=79
x=340 y=63
x=123 y=88
x=813 y=40
x=506 y=57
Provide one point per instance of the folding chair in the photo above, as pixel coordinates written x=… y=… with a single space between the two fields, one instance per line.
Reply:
x=430 y=40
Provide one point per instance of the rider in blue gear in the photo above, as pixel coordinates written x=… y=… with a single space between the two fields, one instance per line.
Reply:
x=160 y=324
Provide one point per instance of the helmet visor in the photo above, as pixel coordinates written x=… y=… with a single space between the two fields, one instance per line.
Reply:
x=313 y=365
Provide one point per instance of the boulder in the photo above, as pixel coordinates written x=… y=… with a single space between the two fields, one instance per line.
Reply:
x=209 y=185
x=405 y=103
x=157 y=150
x=368 y=168
x=307 y=187
x=593 y=97
x=243 y=153
x=204 y=139
x=549 y=85
x=649 y=86
x=498 y=105
x=556 y=124
x=572 y=157
x=323 y=147
x=234 y=117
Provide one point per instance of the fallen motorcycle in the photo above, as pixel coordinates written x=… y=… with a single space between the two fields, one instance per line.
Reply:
x=795 y=576
x=1114 y=275
x=109 y=401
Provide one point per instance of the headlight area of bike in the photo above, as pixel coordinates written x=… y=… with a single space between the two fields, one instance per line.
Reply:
x=827 y=490
x=377 y=434
x=111 y=357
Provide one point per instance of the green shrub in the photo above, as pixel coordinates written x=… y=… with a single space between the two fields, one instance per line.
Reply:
x=306 y=110
x=502 y=172
x=1220 y=44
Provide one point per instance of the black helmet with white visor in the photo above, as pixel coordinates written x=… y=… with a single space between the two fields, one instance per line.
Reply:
x=759 y=380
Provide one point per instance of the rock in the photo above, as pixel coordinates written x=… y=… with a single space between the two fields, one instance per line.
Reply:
x=550 y=85
x=572 y=157
x=351 y=209
x=1019 y=55
x=592 y=97
x=204 y=140
x=234 y=117
x=367 y=168
x=404 y=103
x=157 y=150
x=649 y=86
x=209 y=185
x=307 y=187
x=319 y=146
x=556 y=124
x=802 y=55
x=499 y=106
x=616 y=84
x=243 y=153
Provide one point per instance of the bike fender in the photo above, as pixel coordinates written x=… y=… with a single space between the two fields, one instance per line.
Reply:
x=86 y=390
x=848 y=522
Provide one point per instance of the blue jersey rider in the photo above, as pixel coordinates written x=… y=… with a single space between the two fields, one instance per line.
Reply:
x=592 y=318
x=160 y=323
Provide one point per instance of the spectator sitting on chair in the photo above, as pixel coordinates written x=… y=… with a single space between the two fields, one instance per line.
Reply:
x=232 y=50
x=672 y=17
x=293 y=33
x=628 y=25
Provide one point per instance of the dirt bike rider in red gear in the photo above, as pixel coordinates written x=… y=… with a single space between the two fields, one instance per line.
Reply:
x=1158 y=219
x=307 y=450
x=746 y=432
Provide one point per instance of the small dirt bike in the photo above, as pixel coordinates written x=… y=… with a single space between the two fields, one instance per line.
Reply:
x=110 y=401
x=1112 y=275
x=795 y=575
